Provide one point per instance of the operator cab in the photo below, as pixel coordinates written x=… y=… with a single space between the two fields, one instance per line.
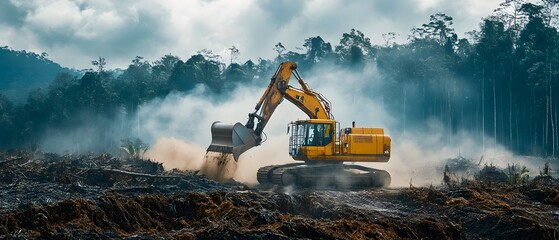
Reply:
x=310 y=134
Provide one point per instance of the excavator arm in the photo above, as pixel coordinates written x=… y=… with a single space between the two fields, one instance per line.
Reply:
x=237 y=138
x=310 y=102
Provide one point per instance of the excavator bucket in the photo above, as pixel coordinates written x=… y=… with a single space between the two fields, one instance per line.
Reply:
x=234 y=139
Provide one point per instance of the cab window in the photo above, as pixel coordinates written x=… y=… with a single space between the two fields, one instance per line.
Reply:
x=318 y=134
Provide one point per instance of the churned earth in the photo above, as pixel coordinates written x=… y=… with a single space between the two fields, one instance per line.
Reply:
x=104 y=197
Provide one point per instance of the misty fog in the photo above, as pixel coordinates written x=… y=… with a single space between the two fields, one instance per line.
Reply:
x=177 y=128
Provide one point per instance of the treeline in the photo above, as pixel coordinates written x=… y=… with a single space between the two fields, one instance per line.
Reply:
x=498 y=83
x=502 y=86
x=102 y=95
x=22 y=71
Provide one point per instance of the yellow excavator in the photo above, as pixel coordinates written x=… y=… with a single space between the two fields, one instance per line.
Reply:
x=318 y=143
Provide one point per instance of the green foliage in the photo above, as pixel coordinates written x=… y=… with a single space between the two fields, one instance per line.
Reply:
x=199 y=69
x=21 y=72
x=449 y=179
x=354 y=49
x=502 y=83
x=517 y=175
x=490 y=175
x=133 y=147
x=546 y=170
x=438 y=29
x=317 y=50
x=6 y=120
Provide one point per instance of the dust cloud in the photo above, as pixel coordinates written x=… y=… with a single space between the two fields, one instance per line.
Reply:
x=272 y=152
x=176 y=154
x=187 y=119
x=179 y=124
x=418 y=158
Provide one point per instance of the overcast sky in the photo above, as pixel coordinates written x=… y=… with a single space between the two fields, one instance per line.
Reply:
x=75 y=32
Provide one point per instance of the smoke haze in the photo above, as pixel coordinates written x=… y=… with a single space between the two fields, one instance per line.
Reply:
x=174 y=153
x=177 y=128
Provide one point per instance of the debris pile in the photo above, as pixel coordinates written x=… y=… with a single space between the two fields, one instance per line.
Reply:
x=102 y=196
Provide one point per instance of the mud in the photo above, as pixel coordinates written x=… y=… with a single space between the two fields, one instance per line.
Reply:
x=49 y=196
x=219 y=166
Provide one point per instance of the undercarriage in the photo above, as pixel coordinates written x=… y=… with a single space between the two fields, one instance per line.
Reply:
x=323 y=175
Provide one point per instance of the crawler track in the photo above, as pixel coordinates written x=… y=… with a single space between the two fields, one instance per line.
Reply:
x=336 y=176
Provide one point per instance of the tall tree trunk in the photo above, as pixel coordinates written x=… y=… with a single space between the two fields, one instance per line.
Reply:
x=556 y=141
x=553 y=123
x=404 y=110
x=517 y=129
x=546 y=121
x=138 y=122
x=449 y=118
x=510 y=111
x=533 y=116
x=549 y=115
x=483 y=109
x=494 y=113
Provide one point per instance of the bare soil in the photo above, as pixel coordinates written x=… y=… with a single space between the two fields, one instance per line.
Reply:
x=51 y=196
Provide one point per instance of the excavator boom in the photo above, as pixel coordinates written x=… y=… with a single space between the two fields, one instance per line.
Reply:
x=236 y=138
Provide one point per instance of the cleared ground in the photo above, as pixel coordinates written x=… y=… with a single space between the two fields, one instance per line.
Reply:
x=102 y=196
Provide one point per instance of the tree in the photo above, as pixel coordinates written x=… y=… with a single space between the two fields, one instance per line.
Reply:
x=31 y=118
x=235 y=73
x=551 y=13
x=136 y=85
x=6 y=121
x=100 y=64
x=354 y=48
x=537 y=48
x=439 y=28
x=161 y=72
x=96 y=95
x=317 y=49
x=251 y=69
x=197 y=70
x=63 y=98
x=389 y=39
x=510 y=13
x=493 y=54
x=279 y=48
x=234 y=52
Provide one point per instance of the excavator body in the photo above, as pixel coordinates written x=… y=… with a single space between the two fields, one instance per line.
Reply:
x=318 y=140
x=318 y=143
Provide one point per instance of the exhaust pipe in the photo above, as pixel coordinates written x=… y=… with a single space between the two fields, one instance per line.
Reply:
x=234 y=139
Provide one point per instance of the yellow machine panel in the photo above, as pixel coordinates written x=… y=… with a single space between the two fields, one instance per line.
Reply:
x=365 y=144
x=368 y=144
x=367 y=131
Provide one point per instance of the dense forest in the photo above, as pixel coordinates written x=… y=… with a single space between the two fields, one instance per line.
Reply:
x=500 y=82
x=22 y=72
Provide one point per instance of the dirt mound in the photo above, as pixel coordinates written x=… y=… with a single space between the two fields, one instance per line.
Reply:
x=102 y=196
x=213 y=215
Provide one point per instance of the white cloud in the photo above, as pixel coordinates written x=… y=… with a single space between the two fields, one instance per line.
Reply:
x=74 y=32
x=55 y=16
x=428 y=4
